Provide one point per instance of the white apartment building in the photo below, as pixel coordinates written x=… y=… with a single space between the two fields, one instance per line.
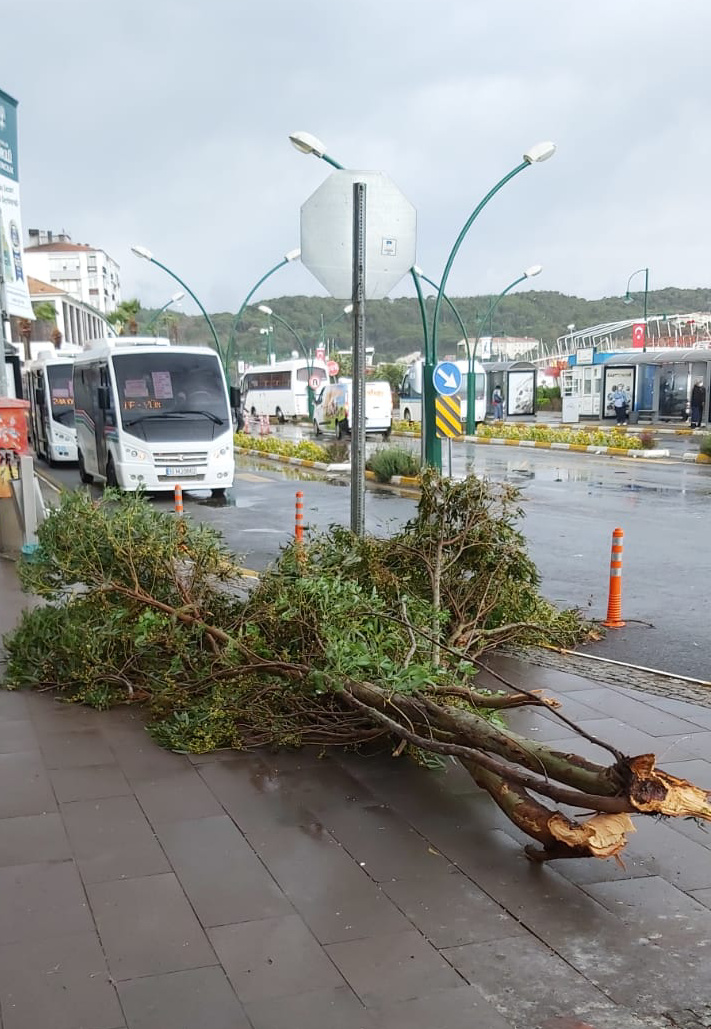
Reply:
x=86 y=273
x=77 y=322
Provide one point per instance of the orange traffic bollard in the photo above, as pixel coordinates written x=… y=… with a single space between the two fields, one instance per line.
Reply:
x=614 y=602
x=178 y=499
x=299 y=530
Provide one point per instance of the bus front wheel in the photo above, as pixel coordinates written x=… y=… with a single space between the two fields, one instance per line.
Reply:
x=280 y=417
x=218 y=492
x=83 y=474
x=111 y=479
x=339 y=429
x=406 y=415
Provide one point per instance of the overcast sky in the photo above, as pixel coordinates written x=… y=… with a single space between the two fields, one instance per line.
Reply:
x=166 y=123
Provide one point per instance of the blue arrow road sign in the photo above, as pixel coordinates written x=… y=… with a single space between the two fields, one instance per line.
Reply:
x=447 y=378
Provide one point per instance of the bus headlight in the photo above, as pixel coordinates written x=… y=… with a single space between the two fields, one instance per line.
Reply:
x=220 y=451
x=134 y=454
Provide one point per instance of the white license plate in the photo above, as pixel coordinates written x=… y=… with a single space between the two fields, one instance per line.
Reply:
x=181 y=471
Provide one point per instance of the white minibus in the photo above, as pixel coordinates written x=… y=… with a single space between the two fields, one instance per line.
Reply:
x=334 y=405
x=280 y=390
x=151 y=415
x=49 y=389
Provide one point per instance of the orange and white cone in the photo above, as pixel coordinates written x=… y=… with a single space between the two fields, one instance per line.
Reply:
x=614 y=602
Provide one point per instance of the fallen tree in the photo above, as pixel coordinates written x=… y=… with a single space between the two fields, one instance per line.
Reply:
x=345 y=642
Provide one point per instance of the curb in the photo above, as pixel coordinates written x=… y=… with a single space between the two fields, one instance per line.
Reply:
x=301 y=462
x=696 y=458
x=578 y=448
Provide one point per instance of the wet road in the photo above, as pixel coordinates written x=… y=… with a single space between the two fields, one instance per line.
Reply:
x=572 y=503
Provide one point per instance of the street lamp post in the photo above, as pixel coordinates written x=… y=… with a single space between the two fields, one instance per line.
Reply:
x=433 y=450
x=146 y=255
x=324 y=328
x=309 y=363
x=176 y=297
x=292 y=255
x=534 y=270
x=629 y=298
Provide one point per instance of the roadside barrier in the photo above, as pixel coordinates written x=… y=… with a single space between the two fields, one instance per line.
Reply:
x=614 y=602
x=178 y=499
x=299 y=527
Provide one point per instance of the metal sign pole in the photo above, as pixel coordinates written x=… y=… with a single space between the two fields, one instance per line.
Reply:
x=5 y=334
x=358 y=413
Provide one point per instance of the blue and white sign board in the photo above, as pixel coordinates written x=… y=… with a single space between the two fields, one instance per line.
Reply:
x=447 y=378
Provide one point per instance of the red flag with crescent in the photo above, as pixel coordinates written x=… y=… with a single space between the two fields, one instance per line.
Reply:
x=639 y=334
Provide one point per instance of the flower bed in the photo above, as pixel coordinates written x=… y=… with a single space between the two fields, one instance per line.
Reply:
x=284 y=448
x=543 y=434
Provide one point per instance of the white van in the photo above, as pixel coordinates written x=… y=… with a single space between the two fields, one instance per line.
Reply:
x=333 y=406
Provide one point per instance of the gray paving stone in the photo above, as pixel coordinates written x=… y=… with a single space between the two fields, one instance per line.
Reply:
x=31 y=838
x=176 y=797
x=74 y=748
x=199 y=998
x=333 y=894
x=273 y=957
x=39 y=901
x=450 y=910
x=61 y=982
x=17 y=736
x=89 y=783
x=254 y=797
x=26 y=789
x=525 y=981
x=386 y=969
x=13 y=705
x=138 y=756
x=633 y=710
x=147 y=927
x=461 y=1008
x=386 y=844
x=337 y=1007
x=112 y=839
x=653 y=906
x=220 y=873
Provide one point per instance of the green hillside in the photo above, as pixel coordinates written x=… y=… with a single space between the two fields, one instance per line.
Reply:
x=394 y=327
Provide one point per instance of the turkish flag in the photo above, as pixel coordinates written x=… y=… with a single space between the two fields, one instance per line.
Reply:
x=639 y=334
x=320 y=353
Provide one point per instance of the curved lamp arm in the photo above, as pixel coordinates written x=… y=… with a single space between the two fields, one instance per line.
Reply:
x=144 y=253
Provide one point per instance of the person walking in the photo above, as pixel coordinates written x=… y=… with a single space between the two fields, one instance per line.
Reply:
x=497 y=399
x=698 y=403
x=620 y=401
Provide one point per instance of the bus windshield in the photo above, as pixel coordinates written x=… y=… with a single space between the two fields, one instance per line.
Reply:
x=61 y=393
x=164 y=386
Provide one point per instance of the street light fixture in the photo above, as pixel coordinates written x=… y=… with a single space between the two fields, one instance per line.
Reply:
x=265 y=309
x=433 y=451
x=348 y=309
x=629 y=299
x=145 y=254
x=530 y=273
x=291 y=255
x=176 y=298
x=539 y=152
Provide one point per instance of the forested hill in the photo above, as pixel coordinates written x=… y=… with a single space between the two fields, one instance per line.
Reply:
x=394 y=327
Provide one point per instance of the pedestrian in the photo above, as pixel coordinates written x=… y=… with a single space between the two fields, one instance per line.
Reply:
x=620 y=401
x=497 y=399
x=698 y=403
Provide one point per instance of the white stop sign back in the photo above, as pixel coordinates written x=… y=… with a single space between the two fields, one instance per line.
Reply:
x=327 y=234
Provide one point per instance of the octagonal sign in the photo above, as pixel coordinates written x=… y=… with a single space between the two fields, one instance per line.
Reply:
x=327 y=234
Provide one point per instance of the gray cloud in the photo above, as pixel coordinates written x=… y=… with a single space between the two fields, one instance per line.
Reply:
x=166 y=123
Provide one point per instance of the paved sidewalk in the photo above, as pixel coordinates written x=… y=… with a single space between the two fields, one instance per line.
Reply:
x=141 y=889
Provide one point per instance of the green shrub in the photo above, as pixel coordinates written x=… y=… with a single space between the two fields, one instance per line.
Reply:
x=705 y=445
x=305 y=450
x=338 y=452
x=647 y=439
x=392 y=461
